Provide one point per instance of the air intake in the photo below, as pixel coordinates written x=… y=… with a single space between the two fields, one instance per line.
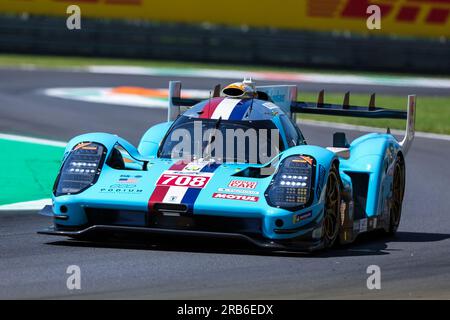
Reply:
x=170 y=209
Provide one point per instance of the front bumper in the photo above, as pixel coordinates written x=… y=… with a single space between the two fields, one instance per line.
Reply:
x=298 y=244
x=249 y=230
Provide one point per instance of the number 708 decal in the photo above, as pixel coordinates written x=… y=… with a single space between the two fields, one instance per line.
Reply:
x=182 y=180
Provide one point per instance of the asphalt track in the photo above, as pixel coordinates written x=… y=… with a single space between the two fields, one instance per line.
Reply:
x=414 y=264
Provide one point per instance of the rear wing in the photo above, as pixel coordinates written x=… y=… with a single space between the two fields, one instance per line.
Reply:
x=410 y=124
x=371 y=111
x=285 y=97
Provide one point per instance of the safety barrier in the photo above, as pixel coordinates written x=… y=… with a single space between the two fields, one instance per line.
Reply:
x=187 y=42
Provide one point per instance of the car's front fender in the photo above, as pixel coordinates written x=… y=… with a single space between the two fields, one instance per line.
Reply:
x=106 y=139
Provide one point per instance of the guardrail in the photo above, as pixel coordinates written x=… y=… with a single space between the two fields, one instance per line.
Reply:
x=219 y=44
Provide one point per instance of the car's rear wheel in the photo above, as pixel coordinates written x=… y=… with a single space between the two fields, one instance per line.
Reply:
x=331 y=219
x=398 y=191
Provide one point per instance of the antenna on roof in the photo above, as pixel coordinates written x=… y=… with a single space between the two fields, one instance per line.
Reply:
x=251 y=108
x=209 y=105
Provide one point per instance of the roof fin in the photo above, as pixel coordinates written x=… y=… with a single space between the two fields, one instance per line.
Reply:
x=372 y=102
x=320 y=99
x=216 y=91
x=346 y=103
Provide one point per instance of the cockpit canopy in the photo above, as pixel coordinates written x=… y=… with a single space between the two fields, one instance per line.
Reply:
x=231 y=130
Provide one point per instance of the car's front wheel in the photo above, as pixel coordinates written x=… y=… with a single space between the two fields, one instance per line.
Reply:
x=331 y=219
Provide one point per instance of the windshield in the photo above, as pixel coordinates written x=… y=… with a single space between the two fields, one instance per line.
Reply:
x=222 y=140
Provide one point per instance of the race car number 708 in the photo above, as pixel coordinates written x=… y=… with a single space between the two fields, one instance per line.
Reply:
x=182 y=180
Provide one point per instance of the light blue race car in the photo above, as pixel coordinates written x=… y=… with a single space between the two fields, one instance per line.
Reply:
x=235 y=166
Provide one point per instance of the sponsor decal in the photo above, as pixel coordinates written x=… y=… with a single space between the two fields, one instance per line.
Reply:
x=302 y=216
x=271 y=105
x=235 y=197
x=402 y=11
x=121 y=189
x=242 y=184
x=129 y=179
x=402 y=16
x=123 y=186
x=243 y=191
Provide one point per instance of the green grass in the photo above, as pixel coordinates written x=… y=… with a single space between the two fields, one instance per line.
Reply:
x=28 y=171
x=433 y=113
x=61 y=62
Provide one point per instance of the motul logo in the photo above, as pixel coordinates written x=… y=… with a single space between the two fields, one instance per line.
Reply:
x=235 y=197
x=433 y=11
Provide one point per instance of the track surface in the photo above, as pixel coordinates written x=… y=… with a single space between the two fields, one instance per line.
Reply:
x=414 y=264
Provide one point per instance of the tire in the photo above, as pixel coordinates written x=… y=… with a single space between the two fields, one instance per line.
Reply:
x=331 y=220
x=398 y=192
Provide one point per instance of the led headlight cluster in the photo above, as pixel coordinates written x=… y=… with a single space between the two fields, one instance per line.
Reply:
x=80 y=169
x=291 y=186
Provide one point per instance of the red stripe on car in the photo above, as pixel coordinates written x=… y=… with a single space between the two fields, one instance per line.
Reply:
x=210 y=107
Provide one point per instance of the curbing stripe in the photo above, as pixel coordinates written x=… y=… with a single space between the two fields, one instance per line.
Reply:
x=26 y=206
x=310 y=77
x=375 y=80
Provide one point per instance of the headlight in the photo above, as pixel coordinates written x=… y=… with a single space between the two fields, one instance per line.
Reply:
x=291 y=187
x=80 y=169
